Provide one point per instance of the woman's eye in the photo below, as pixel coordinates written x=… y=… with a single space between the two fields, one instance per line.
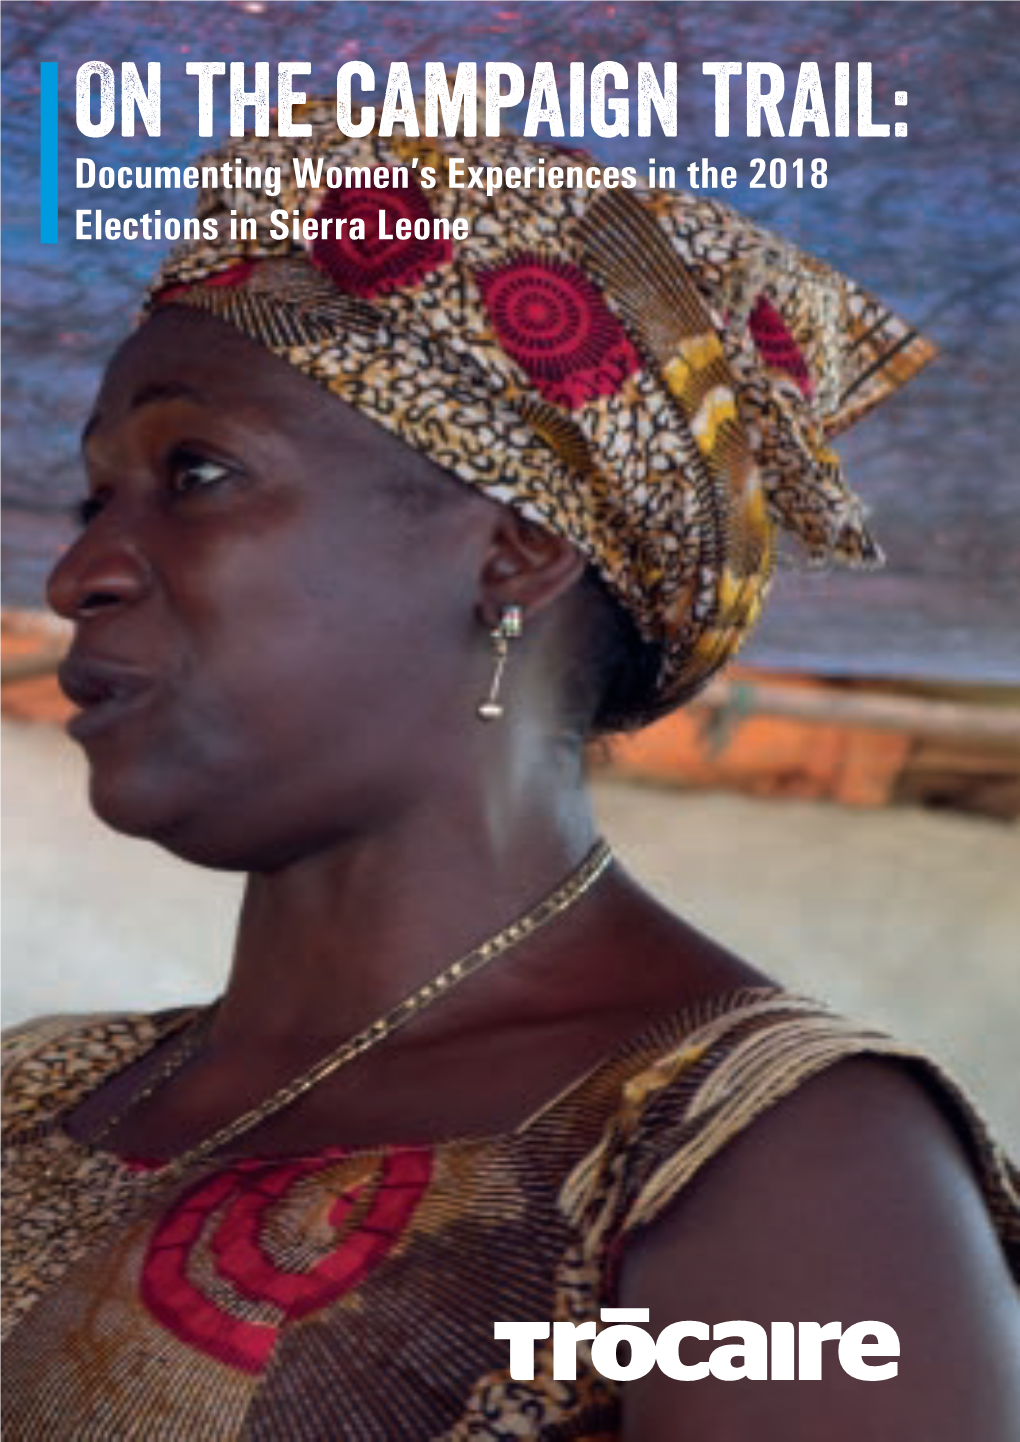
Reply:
x=190 y=472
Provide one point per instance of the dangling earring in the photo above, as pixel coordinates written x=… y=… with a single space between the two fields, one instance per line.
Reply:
x=511 y=624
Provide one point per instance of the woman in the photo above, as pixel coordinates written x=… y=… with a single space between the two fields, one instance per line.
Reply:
x=377 y=535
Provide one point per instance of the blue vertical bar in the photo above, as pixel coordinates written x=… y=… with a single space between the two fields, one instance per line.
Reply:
x=48 y=152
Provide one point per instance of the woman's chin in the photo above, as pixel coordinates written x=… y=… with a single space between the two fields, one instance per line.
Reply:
x=134 y=805
x=194 y=828
x=137 y=803
x=160 y=792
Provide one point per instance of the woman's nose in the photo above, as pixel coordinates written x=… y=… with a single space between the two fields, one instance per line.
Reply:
x=103 y=571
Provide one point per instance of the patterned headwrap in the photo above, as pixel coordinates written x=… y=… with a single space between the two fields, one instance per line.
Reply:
x=645 y=372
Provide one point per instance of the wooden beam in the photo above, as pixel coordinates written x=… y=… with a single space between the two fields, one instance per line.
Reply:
x=918 y=715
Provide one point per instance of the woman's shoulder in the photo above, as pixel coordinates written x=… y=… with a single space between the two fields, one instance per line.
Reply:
x=50 y=1062
x=694 y=1083
x=865 y=1186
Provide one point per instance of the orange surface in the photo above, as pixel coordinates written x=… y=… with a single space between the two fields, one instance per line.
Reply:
x=40 y=698
x=767 y=755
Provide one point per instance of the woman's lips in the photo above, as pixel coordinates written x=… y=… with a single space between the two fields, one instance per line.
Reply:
x=105 y=691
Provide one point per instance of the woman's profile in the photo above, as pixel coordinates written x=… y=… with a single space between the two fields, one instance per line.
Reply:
x=379 y=534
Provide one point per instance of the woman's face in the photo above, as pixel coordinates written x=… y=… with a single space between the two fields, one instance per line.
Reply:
x=270 y=649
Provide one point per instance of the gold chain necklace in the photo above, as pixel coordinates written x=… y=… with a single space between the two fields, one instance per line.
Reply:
x=555 y=904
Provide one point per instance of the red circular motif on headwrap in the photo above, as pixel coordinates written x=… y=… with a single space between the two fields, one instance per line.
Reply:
x=379 y=263
x=219 y=1228
x=550 y=318
x=776 y=345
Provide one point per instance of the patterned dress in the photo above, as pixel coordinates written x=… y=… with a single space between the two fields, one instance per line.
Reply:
x=352 y=1294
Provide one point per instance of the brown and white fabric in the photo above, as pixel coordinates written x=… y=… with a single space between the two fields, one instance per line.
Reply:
x=352 y=1292
x=645 y=372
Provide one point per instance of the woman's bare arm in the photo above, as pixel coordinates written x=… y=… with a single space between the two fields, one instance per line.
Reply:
x=850 y=1201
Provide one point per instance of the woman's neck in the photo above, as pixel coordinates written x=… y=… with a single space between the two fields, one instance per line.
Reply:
x=330 y=942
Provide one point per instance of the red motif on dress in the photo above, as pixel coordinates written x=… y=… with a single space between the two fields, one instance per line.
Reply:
x=219 y=1229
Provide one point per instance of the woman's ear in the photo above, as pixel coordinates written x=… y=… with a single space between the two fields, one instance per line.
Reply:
x=526 y=566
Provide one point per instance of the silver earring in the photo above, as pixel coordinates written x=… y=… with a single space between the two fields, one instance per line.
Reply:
x=511 y=624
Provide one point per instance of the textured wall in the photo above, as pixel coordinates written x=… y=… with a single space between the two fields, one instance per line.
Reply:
x=929 y=222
